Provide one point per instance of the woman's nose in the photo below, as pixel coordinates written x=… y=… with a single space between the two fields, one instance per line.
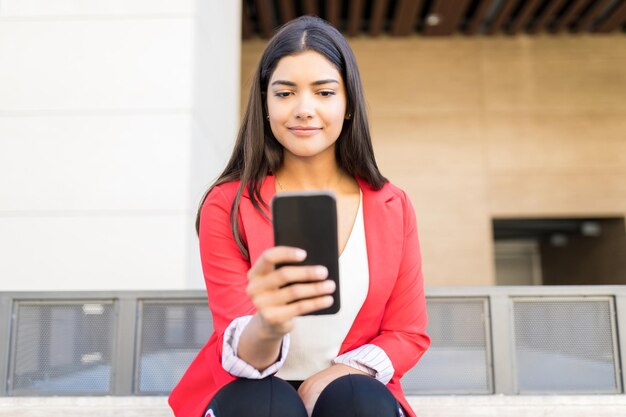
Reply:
x=305 y=108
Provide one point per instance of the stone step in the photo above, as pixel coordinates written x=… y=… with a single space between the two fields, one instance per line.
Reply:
x=425 y=406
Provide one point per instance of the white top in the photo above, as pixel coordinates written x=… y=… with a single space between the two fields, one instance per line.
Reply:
x=314 y=342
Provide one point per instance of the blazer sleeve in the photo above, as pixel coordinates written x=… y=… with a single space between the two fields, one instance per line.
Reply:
x=225 y=269
x=402 y=333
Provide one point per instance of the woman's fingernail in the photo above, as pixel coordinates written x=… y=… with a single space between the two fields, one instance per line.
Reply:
x=300 y=254
x=321 y=271
x=329 y=285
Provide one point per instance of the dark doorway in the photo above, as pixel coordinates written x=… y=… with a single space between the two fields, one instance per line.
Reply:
x=565 y=251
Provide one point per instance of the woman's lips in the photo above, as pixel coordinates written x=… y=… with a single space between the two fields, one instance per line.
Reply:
x=304 y=131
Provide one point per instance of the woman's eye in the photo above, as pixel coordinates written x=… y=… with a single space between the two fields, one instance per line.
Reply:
x=327 y=93
x=282 y=93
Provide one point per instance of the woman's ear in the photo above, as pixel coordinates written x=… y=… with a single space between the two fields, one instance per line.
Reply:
x=349 y=112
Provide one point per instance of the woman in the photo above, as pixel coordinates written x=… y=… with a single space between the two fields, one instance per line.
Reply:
x=306 y=128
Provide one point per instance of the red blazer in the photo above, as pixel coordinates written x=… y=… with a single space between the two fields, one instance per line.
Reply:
x=393 y=316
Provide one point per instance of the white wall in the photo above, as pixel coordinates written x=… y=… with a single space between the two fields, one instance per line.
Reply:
x=216 y=98
x=109 y=132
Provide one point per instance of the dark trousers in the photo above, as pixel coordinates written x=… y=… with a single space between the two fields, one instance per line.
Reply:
x=348 y=396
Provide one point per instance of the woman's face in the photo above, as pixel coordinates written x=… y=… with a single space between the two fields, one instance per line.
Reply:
x=306 y=102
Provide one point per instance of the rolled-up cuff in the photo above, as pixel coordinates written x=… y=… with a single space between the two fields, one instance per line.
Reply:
x=370 y=359
x=236 y=366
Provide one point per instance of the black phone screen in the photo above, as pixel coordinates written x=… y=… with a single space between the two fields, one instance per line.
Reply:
x=308 y=220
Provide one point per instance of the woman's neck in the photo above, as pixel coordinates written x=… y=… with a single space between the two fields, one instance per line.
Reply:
x=310 y=175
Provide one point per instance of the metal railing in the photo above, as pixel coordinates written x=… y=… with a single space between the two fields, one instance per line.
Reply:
x=485 y=340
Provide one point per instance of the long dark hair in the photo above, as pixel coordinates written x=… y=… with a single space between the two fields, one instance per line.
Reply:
x=257 y=152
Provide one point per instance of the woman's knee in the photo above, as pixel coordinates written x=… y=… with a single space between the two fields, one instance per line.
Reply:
x=268 y=397
x=356 y=396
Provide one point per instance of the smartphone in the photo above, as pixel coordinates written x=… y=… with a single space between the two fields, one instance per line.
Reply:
x=308 y=220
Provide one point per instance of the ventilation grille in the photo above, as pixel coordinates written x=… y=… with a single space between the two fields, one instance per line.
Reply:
x=62 y=348
x=565 y=345
x=172 y=333
x=458 y=361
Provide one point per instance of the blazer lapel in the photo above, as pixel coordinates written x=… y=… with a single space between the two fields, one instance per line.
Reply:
x=382 y=215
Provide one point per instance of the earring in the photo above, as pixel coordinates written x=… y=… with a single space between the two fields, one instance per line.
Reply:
x=349 y=116
x=267 y=117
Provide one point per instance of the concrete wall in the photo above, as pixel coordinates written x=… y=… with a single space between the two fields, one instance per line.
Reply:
x=477 y=128
x=109 y=134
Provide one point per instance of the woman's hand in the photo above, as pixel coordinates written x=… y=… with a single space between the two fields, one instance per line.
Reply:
x=312 y=387
x=277 y=304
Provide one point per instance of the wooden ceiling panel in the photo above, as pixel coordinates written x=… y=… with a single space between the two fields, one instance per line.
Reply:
x=528 y=10
x=439 y=17
x=570 y=14
x=377 y=20
x=614 y=20
x=405 y=16
x=355 y=16
x=287 y=11
x=333 y=12
x=444 y=17
x=548 y=15
x=311 y=7
x=584 y=23
x=265 y=17
x=502 y=16
x=246 y=23
x=479 y=17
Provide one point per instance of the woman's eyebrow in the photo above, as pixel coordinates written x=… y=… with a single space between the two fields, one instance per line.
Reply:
x=292 y=84
x=283 y=82
x=327 y=81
